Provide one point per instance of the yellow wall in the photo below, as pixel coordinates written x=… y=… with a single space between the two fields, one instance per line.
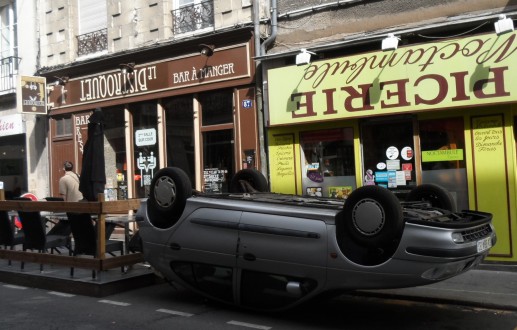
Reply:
x=491 y=175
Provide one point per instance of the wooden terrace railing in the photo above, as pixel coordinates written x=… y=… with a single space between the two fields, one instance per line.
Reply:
x=101 y=208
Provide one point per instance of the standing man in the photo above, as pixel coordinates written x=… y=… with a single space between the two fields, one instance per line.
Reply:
x=69 y=184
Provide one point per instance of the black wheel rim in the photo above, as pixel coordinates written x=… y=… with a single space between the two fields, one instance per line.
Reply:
x=165 y=192
x=368 y=217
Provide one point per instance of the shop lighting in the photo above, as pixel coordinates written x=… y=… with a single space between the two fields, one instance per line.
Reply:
x=206 y=50
x=127 y=67
x=390 y=42
x=61 y=81
x=503 y=25
x=304 y=57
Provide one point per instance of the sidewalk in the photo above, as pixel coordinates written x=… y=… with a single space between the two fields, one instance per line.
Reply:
x=487 y=286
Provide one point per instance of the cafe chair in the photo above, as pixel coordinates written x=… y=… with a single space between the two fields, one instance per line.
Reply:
x=36 y=237
x=60 y=227
x=8 y=237
x=85 y=238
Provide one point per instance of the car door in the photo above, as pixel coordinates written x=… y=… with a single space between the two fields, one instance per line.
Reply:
x=281 y=259
x=202 y=250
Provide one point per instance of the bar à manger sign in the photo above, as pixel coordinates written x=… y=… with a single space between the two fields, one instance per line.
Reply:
x=452 y=73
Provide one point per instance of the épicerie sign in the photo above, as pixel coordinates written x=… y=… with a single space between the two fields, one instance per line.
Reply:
x=452 y=73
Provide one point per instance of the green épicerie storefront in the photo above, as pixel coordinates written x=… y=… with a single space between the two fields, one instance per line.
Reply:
x=442 y=112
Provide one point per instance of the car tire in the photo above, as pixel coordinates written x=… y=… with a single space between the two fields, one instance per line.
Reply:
x=251 y=178
x=436 y=195
x=372 y=217
x=170 y=189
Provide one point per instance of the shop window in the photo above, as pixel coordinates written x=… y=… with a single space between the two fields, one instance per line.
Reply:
x=388 y=157
x=13 y=165
x=217 y=107
x=63 y=126
x=146 y=155
x=179 y=118
x=328 y=162
x=442 y=142
x=115 y=153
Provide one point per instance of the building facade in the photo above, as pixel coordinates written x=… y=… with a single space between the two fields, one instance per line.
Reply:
x=174 y=79
x=435 y=103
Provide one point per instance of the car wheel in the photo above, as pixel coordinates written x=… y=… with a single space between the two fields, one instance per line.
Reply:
x=248 y=180
x=436 y=195
x=170 y=189
x=373 y=216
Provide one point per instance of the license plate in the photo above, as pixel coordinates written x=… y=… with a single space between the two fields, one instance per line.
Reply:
x=484 y=244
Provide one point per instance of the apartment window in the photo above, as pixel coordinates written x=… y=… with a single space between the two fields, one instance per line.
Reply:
x=8 y=43
x=93 y=23
x=192 y=15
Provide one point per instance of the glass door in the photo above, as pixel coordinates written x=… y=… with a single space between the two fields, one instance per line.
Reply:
x=388 y=153
x=217 y=160
x=218 y=145
x=146 y=154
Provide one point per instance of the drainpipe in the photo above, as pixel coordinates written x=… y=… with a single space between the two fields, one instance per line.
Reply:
x=260 y=49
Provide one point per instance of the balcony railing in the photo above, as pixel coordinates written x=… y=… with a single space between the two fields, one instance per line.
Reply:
x=93 y=42
x=8 y=74
x=193 y=17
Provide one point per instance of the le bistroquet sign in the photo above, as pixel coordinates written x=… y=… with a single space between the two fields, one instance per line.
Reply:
x=453 y=73
x=226 y=64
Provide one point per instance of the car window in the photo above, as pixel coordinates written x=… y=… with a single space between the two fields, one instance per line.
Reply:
x=271 y=291
x=212 y=280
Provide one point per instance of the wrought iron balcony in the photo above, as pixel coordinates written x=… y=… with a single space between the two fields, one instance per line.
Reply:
x=93 y=42
x=8 y=73
x=193 y=17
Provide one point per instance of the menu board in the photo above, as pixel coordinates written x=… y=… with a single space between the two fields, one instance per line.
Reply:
x=213 y=179
x=282 y=163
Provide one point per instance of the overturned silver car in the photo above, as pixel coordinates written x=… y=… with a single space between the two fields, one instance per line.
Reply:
x=263 y=250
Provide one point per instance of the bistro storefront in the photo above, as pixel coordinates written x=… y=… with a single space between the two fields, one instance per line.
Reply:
x=186 y=109
x=442 y=112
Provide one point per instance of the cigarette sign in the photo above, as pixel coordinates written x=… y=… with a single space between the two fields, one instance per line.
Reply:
x=32 y=95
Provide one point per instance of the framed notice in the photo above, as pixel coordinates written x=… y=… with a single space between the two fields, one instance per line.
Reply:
x=32 y=95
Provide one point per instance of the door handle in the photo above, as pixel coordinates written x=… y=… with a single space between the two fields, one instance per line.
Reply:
x=175 y=246
x=249 y=257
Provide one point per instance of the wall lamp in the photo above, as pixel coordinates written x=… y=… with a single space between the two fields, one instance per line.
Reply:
x=61 y=81
x=127 y=67
x=304 y=57
x=390 y=42
x=206 y=50
x=503 y=25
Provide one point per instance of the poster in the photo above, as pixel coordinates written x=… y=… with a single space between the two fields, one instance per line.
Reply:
x=340 y=192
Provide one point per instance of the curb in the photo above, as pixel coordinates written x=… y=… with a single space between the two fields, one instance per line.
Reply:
x=434 y=300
